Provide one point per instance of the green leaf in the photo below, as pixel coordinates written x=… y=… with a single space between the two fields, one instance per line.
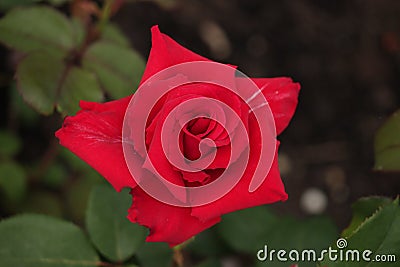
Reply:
x=118 y=68
x=109 y=229
x=380 y=234
x=74 y=161
x=363 y=209
x=9 y=144
x=44 y=203
x=37 y=28
x=289 y=233
x=12 y=181
x=46 y=82
x=387 y=145
x=111 y=33
x=77 y=196
x=7 y=4
x=155 y=255
x=210 y=263
x=207 y=244
x=79 y=30
x=79 y=85
x=250 y=230
x=26 y=115
x=57 y=2
x=55 y=176
x=246 y=230
x=42 y=241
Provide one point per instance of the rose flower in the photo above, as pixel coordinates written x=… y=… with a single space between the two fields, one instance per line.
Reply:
x=213 y=131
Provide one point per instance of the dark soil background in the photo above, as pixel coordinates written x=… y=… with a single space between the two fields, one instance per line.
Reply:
x=344 y=53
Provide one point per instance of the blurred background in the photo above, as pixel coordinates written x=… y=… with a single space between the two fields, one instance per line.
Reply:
x=345 y=54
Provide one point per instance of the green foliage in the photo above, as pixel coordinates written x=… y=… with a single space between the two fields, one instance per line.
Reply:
x=387 y=145
x=119 y=69
x=249 y=230
x=24 y=114
x=8 y=4
x=55 y=177
x=42 y=202
x=155 y=255
x=379 y=233
x=41 y=241
x=77 y=195
x=208 y=244
x=57 y=85
x=363 y=209
x=13 y=181
x=210 y=263
x=109 y=229
x=9 y=144
x=112 y=34
x=61 y=66
x=37 y=28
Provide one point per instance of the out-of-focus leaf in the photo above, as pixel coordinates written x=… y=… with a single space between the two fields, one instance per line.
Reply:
x=26 y=114
x=118 y=68
x=79 y=85
x=74 y=161
x=55 y=176
x=7 y=4
x=12 y=181
x=9 y=144
x=77 y=197
x=380 y=234
x=109 y=229
x=79 y=30
x=247 y=230
x=387 y=145
x=57 y=2
x=289 y=233
x=111 y=33
x=43 y=202
x=362 y=210
x=45 y=82
x=250 y=230
x=37 y=28
x=155 y=255
x=210 y=263
x=207 y=244
x=38 y=240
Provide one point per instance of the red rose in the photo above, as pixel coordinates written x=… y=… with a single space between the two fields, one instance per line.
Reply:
x=97 y=135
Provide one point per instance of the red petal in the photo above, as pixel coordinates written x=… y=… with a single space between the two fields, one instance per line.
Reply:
x=165 y=52
x=167 y=223
x=95 y=135
x=271 y=190
x=281 y=94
